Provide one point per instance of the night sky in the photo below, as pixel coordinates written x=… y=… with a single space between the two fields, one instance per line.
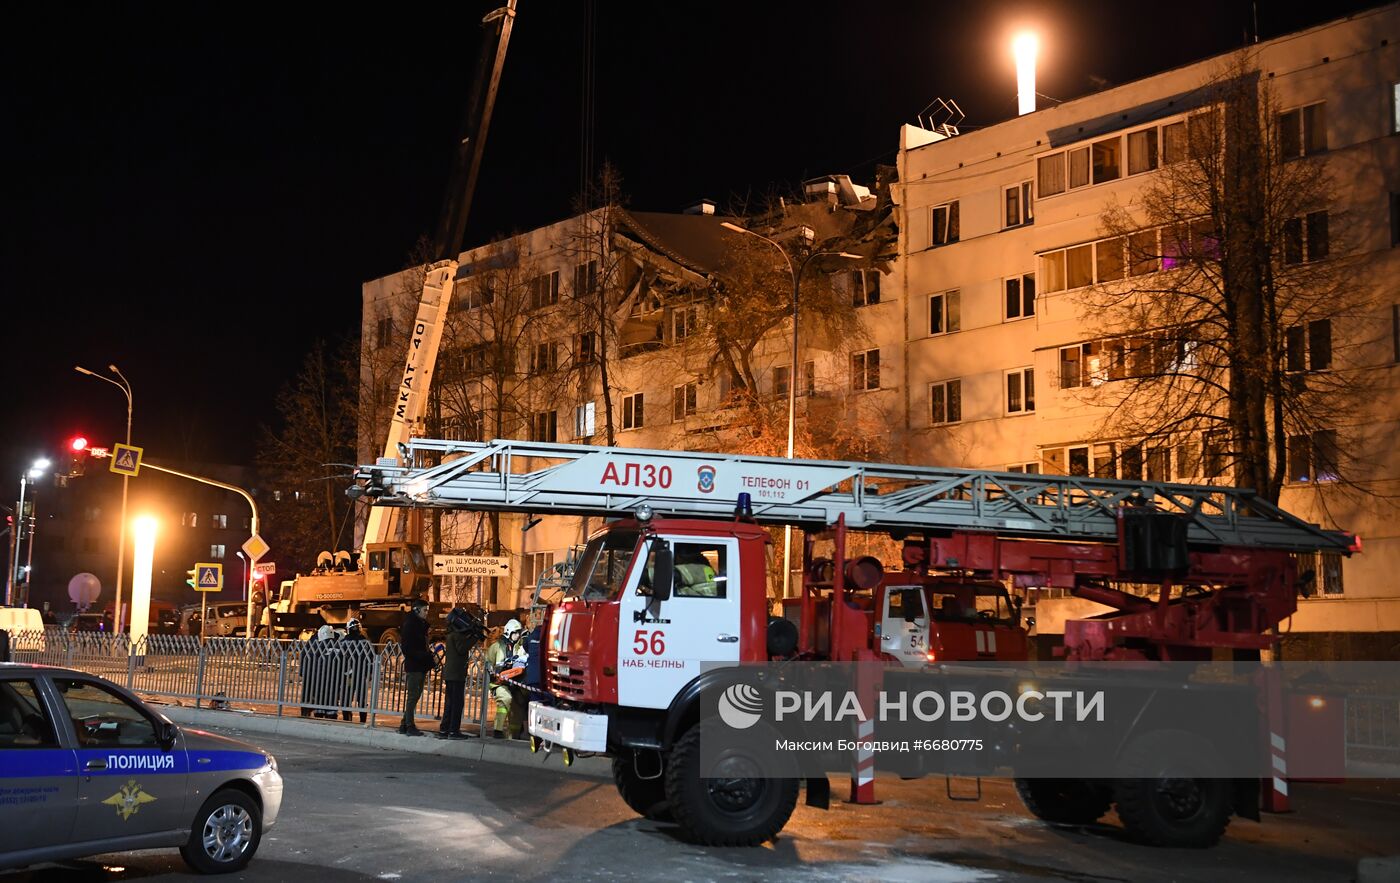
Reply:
x=197 y=192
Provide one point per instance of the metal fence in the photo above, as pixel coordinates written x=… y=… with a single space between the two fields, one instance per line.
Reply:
x=352 y=680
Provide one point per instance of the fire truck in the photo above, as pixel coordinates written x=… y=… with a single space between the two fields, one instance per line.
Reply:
x=668 y=597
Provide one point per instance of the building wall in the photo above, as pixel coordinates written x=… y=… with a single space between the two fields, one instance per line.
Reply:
x=1345 y=64
x=1351 y=65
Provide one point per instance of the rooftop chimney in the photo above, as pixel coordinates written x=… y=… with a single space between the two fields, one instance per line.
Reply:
x=703 y=207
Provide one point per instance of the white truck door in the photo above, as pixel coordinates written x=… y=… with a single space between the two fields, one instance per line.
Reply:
x=663 y=645
x=904 y=625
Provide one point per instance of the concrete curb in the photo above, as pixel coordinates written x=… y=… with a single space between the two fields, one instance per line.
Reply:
x=1378 y=869
x=344 y=733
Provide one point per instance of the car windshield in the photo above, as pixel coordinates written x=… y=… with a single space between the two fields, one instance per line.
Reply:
x=972 y=602
x=604 y=565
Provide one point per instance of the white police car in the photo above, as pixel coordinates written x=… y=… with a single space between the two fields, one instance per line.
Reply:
x=86 y=768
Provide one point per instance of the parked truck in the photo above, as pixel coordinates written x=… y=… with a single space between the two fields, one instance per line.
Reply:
x=674 y=599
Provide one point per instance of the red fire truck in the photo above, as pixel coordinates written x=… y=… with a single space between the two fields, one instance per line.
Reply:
x=663 y=600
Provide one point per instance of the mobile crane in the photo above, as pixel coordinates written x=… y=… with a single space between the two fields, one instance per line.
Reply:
x=377 y=587
x=629 y=653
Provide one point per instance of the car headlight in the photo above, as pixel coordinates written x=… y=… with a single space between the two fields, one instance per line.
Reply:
x=272 y=763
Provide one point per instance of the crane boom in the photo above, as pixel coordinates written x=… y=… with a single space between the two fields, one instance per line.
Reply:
x=564 y=479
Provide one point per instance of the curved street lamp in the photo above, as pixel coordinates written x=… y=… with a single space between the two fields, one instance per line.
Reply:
x=796 y=273
x=125 y=386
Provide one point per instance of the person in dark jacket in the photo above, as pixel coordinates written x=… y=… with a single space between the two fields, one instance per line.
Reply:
x=357 y=652
x=418 y=661
x=454 y=673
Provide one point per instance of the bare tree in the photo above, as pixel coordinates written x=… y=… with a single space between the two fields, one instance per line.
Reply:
x=304 y=458
x=1216 y=294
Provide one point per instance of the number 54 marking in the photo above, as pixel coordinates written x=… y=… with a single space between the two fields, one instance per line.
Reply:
x=644 y=642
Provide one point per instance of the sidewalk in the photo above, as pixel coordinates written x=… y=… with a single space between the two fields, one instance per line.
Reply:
x=505 y=751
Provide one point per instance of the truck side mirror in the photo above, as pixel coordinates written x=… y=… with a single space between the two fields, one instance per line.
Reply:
x=663 y=570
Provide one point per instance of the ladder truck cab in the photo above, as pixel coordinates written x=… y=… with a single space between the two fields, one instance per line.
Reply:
x=668 y=600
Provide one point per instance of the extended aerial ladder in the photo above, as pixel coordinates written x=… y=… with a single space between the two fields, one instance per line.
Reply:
x=562 y=479
x=1085 y=534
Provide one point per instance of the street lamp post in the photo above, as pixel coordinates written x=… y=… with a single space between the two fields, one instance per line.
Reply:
x=12 y=578
x=125 y=387
x=796 y=273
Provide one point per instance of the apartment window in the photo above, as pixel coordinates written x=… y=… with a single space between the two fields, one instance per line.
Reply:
x=1313 y=456
x=216 y=551
x=682 y=401
x=92 y=513
x=782 y=374
x=1309 y=347
x=1083 y=365
x=1173 y=143
x=1108 y=159
x=1394 y=219
x=945 y=223
x=1326 y=568
x=1020 y=296
x=1215 y=453
x=544 y=290
x=1188 y=459
x=584 y=420
x=684 y=321
x=1142 y=151
x=1079 y=168
x=1050 y=172
x=476 y=292
x=865 y=370
x=809 y=378
x=944 y=313
x=544 y=426
x=1109 y=264
x=534 y=565
x=945 y=401
x=219 y=521
x=1142 y=252
x=1031 y=467
x=544 y=357
x=632 y=411
x=585 y=278
x=865 y=287
x=1305 y=239
x=1020 y=391
x=1303 y=131
x=1018 y=206
x=383 y=332
x=586 y=348
x=1395 y=108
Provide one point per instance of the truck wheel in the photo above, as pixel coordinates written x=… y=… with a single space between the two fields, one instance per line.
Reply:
x=1065 y=801
x=389 y=636
x=225 y=833
x=1186 y=803
x=728 y=803
x=646 y=797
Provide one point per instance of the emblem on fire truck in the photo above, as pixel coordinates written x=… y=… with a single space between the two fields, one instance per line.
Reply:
x=706 y=476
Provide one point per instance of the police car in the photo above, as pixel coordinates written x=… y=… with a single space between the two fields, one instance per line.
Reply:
x=86 y=768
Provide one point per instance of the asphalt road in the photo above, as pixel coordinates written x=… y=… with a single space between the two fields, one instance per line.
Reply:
x=365 y=814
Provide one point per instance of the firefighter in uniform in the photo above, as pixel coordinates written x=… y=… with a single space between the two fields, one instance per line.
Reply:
x=506 y=654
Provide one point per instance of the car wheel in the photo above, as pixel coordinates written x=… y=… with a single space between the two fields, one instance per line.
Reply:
x=645 y=797
x=730 y=802
x=225 y=833
x=1065 y=801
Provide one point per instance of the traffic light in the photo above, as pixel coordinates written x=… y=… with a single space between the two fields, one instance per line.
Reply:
x=190 y=580
x=77 y=456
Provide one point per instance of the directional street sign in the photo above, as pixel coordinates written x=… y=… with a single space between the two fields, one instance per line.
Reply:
x=255 y=548
x=470 y=565
x=126 y=459
x=208 y=577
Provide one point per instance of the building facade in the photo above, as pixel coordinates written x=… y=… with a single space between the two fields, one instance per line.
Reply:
x=973 y=344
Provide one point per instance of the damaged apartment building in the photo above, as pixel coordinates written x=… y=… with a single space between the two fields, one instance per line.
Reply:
x=971 y=330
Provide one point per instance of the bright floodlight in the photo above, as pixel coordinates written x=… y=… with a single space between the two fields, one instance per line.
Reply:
x=144 y=529
x=1024 y=47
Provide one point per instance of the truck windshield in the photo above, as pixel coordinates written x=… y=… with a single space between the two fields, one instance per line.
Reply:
x=604 y=565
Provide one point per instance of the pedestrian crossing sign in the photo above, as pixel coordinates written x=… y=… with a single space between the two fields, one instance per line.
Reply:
x=126 y=459
x=208 y=577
